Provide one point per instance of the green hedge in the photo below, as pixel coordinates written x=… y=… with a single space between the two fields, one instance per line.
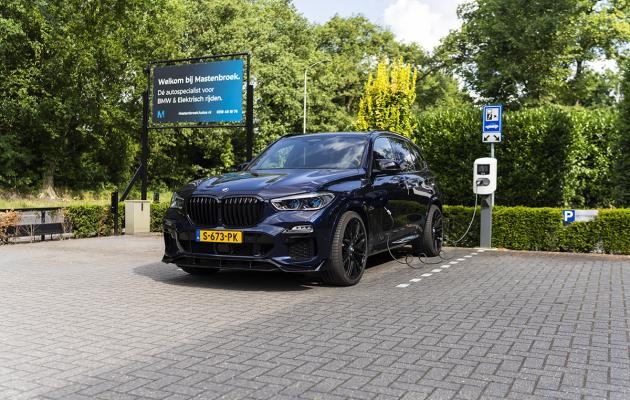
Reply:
x=157 y=216
x=614 y=228
x=517 y=228
x=90 y=220
x=542 y=229
x=550 y=156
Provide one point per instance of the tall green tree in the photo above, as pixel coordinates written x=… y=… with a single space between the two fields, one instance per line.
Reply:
x=532 y=51
x=622 y=164
x=388 y=99
x=73 y=81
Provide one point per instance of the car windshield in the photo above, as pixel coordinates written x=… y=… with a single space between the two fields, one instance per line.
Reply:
x=313 y=152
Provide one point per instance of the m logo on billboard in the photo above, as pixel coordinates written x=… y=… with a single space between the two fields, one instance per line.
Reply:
x=160 y=114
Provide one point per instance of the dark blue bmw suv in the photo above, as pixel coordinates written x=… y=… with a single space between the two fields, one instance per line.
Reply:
x=309 y=203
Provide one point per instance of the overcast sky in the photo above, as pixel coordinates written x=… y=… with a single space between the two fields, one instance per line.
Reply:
x=421 y=21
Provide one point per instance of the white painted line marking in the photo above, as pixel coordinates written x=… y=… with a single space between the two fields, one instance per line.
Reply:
x=461 y=259
x=415 y=280
x=473 y=254
x=481 y=251
x=426 y=274
x=453 y=262
x=468 y=256
x=403 y=285
x=436 y=270
x=445 y=266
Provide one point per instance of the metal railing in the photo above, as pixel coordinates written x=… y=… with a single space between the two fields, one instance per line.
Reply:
x=34 y=222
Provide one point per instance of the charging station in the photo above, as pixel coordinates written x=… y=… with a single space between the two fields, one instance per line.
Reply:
x=484 y=185
x=485 y=176
x=485 y=170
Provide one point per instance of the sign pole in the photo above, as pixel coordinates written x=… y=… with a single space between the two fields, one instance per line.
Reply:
x=249 y=116
x=144 y=156
x=492 y=130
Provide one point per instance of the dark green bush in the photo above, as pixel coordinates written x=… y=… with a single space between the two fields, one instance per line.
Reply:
x=89 y=220
x=517 y=228
x=614 y=226
x=550 y=156
x=523 y=228
x=579 y=237
x=456 y=221
x=157 y=216
x=92 y=220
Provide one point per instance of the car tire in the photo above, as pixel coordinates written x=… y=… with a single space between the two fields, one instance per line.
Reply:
x=430 y=241
x=198 y=271
x=348 y=251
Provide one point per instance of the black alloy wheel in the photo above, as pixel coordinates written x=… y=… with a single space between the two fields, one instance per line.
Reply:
x=430 y=242
x=349 y=251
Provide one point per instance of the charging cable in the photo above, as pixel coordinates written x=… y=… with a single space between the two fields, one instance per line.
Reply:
x=422 y=256
x=409 y=258
x=471 y=221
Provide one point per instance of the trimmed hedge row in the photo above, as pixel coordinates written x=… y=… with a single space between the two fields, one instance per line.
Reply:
x=517 y=228
x=88 y=221
x=550 y=156
x=542 y=229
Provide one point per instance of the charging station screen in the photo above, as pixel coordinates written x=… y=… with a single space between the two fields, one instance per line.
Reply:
x=483 y=169
x=198 y=93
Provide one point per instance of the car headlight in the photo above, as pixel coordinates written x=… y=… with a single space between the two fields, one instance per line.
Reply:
x=177 y=202
x=303 y=202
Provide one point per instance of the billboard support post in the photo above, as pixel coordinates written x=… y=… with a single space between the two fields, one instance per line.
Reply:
x=144 y=140
x=249 y=121
x=143 y=170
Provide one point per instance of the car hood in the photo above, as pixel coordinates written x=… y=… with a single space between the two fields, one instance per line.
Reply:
x=274 y=183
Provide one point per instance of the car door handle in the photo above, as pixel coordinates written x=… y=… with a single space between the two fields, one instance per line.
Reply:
x=428 y=186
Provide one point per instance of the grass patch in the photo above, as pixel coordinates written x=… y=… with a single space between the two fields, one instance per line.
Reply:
x=12 y=201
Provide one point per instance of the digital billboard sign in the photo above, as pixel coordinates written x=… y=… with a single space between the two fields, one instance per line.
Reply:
x=205 y=92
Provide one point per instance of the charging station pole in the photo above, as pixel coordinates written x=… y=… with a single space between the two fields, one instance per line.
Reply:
x=485 y=171
x=485 y=233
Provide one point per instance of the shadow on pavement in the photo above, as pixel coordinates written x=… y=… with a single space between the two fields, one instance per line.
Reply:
x=230 y=280
x=243 y=280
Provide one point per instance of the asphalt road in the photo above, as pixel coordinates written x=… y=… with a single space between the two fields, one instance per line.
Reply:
x=105 y=319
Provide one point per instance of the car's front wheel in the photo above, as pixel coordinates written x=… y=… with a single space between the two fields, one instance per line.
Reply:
x=348 y=253
x=430 y=242
x=198 y=271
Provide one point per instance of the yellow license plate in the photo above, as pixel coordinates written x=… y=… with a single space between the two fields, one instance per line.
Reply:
x=219 y=236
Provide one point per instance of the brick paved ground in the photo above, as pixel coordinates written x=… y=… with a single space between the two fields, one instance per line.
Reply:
x=103 y=319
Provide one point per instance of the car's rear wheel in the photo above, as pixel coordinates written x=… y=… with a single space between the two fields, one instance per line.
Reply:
x=348 y=253
x=430 y=242
x=198 y=271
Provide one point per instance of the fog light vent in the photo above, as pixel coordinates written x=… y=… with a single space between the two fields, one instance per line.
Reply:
x=301 y=249
x=302 y=228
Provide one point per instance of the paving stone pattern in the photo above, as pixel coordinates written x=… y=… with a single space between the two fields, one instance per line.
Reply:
x=103 y=319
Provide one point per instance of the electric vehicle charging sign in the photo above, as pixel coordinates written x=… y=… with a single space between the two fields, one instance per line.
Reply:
x=492 y=125
x=569 y=216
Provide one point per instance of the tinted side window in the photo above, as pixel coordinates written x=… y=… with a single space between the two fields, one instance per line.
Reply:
x=403 y=156
x=382 y=149
x=417 y=156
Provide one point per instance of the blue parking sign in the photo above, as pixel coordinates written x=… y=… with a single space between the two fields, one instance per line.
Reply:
x=568 y=215
x=492 y=123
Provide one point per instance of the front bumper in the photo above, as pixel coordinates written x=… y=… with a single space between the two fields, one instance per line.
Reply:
x=268 y=246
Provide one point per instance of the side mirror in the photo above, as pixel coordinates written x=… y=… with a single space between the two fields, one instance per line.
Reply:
x=387 y=165
x=243 y=166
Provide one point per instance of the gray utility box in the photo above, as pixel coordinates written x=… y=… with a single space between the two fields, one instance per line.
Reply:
x=137 y=216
